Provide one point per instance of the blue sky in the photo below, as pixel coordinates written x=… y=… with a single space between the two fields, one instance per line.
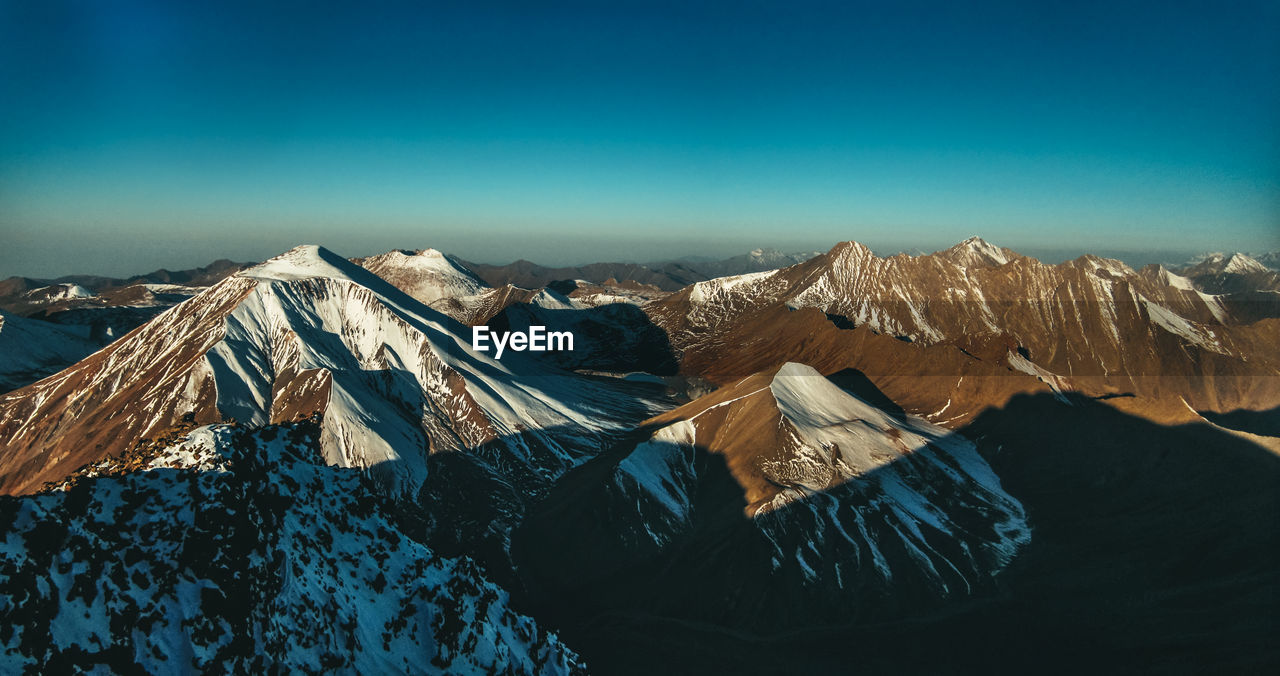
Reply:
x=135 y=135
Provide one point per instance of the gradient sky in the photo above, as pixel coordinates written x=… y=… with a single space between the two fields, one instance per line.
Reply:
x=138 y=134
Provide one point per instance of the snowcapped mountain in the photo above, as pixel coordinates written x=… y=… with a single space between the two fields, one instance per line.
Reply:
x=57 y=292
x=874 y=455
x=309 y=332
x=1218 y=263
x=1090 y=324
x=844 y=491
x=443 y=283
x=777 y=502
x=234 y=551
x=611 y=334
x=1233 y=273
x=427 y=275
x=1241 y=264
x=977 y=252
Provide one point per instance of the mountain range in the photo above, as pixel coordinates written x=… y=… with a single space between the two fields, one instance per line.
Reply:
x=963 y=461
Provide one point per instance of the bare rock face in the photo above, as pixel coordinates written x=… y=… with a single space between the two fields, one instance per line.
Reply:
x=310 y=332
x=238 y=551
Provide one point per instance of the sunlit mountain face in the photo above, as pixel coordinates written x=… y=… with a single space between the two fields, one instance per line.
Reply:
x=639 y=338
x=307 y=464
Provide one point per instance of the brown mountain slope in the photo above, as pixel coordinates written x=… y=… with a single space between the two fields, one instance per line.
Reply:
x=310 y=332
x=1091 y=324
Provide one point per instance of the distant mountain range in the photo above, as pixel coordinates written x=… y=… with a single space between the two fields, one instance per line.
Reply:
x=665 y=275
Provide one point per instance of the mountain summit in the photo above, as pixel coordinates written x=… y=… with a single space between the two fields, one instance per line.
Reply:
x=977 y=252
x=310 y=332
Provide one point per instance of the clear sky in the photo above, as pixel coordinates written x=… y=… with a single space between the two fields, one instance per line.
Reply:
x=140 y=134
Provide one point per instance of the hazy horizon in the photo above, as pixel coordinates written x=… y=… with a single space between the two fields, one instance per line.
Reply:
x=202 y=256
x=140 y=134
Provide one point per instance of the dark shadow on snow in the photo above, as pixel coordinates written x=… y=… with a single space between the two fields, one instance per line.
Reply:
x=858 y=384
x=1154 y=549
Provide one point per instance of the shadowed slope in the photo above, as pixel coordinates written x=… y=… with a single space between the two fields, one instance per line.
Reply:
x=1153 y=548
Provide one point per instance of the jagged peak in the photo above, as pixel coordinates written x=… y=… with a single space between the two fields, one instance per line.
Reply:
x=1094 y=263
x=1240 y=263
x=977 y=251
x=311 y=261
x=1165 y=276
x=850 y=249
x=1217 y=262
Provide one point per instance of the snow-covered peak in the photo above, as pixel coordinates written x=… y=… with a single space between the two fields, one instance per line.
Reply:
x=847 y=259
x=977 y=251
x=311 y=262
x=850 y=250
x=301 y=262
x=1240 y=264
x=1167 y=277
x=422 y=254
x=818 y=450
x=714 y=288
x=310 y=332
x=428 y=275
x=825 y=415
x=1112 y=266
x=793 y=369
x=422 y=259
x=551 y=300
x=58 y=292
x=1213 y=258
x=1218 y=263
